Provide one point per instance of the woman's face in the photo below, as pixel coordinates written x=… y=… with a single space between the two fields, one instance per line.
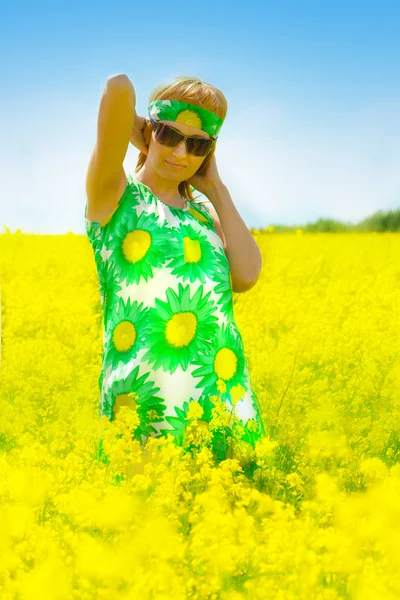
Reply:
x=163 y=157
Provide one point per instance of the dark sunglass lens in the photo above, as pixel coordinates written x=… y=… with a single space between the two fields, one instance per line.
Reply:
x=199 y=147
x=166 y=135
x=169 y=137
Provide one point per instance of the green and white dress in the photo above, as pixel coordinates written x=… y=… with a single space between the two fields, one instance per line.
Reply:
x=170 y=335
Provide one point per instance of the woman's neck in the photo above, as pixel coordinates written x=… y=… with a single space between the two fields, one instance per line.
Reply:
x=169 y=195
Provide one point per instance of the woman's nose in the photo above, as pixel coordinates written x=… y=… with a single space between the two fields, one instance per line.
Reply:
x=181 y=149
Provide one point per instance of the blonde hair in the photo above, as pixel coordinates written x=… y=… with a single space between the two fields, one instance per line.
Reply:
x=195 y=91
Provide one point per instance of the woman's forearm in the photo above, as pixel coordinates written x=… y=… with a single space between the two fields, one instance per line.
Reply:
x=123 y=81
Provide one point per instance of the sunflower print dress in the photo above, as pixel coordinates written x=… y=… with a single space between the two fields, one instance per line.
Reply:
x=170 y=336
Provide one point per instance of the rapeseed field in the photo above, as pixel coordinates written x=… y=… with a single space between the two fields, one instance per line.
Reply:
x=313 y=512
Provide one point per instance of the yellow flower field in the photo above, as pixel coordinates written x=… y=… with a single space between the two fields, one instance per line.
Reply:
x=312 y=513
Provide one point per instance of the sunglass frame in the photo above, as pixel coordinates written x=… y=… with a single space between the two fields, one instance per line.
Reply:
x=156 y=124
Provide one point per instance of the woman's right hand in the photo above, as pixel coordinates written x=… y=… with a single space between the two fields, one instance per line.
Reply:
x=137 y=137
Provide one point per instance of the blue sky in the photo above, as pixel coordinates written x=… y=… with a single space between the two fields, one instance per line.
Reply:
x=313 y=93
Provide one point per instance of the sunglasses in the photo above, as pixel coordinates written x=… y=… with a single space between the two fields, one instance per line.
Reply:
x=167 y=135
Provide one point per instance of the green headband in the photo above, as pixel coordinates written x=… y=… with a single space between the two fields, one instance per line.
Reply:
x=189 y=114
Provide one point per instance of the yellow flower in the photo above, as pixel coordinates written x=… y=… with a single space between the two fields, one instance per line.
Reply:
x=252 y=425
x=198 y=433
x=195 y=411
x=221 y=385
x=237 y=393
x=264 y=447
x=152 y=415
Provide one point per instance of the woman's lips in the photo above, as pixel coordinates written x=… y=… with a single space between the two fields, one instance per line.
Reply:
x=175 y=166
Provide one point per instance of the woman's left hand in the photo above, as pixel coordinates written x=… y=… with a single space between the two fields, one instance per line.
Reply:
x=207 y=181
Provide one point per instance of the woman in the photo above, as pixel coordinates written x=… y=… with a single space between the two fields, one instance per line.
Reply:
x=171 y=344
